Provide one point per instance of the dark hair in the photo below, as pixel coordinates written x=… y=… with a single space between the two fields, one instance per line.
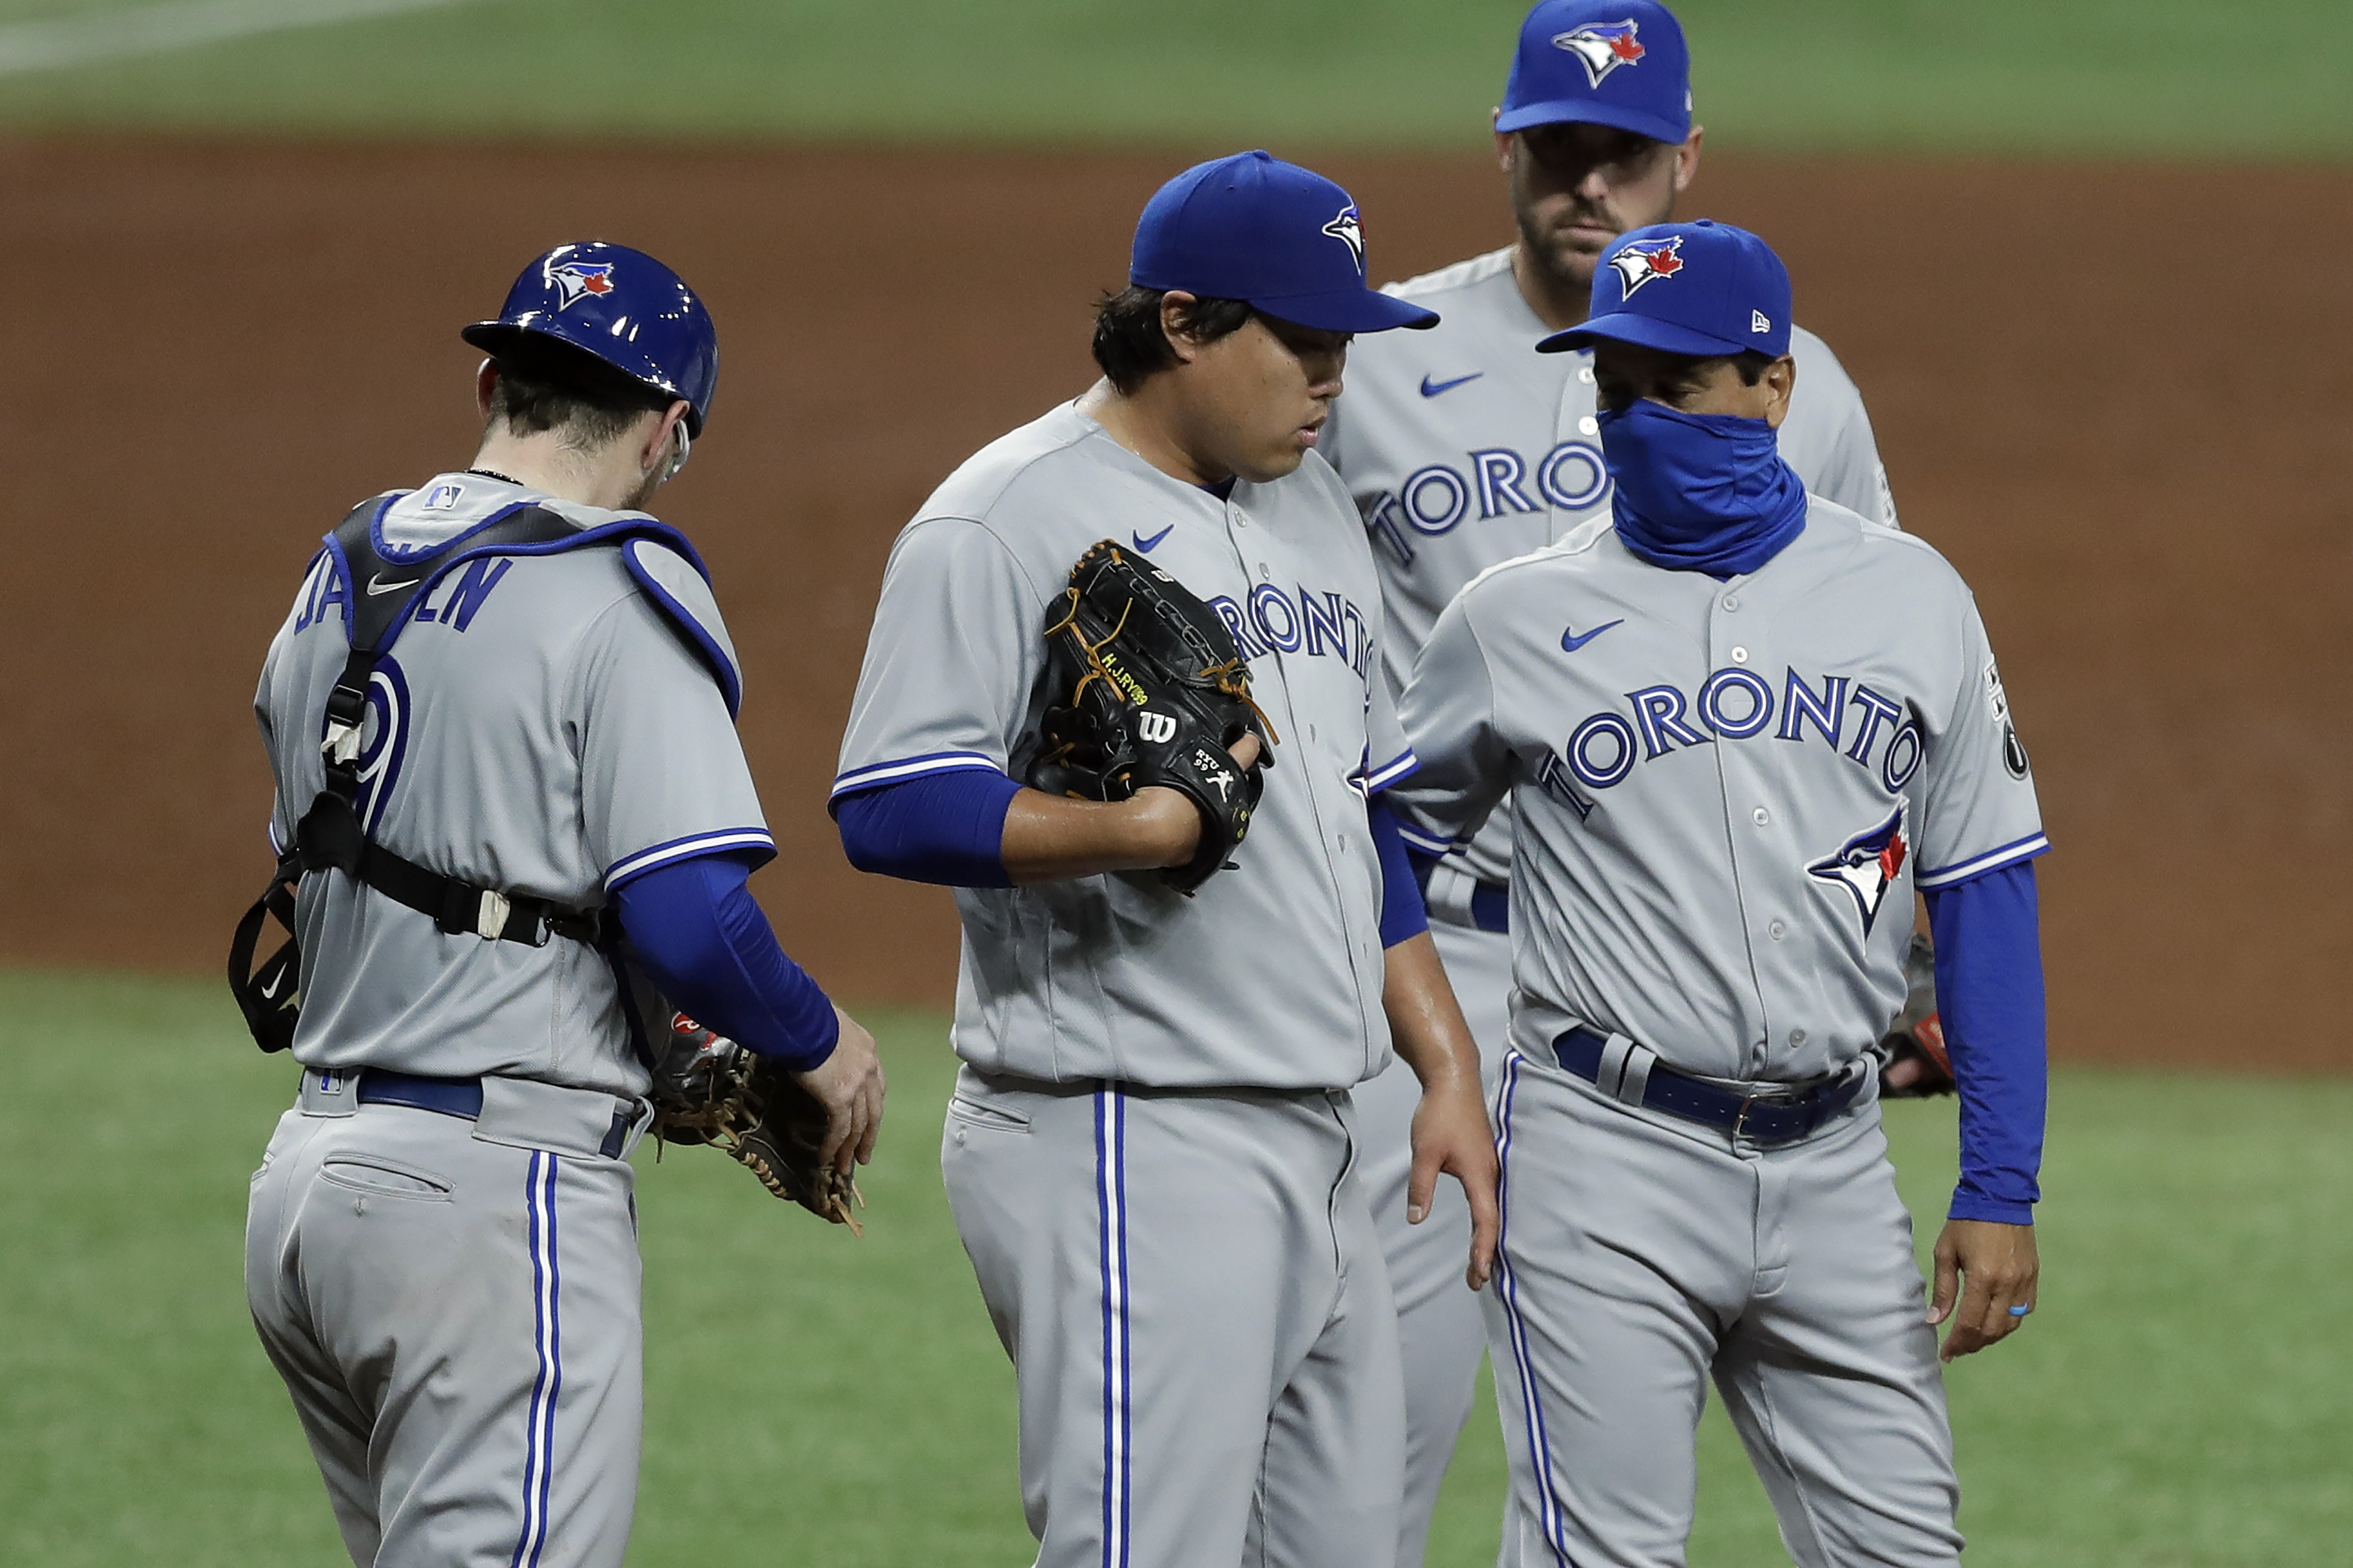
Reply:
x=1678 y=376
x=1130 y=343
x=544 y=385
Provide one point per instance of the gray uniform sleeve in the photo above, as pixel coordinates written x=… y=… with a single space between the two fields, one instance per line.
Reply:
x=1979 y=813
x=1830 y=442
x=662 y=774
x=1447 y=710
x=957 y=649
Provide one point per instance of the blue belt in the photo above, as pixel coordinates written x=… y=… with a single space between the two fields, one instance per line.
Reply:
x=1766 y=1120
x=460 y=1097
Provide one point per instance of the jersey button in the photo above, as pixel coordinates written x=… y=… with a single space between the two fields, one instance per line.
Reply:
x=1760 y=817
x=1732 y=601
x=1777 y=931
x=1797 y=1036
x=1740 y=655
x=1584 y=374
x=1588 y=425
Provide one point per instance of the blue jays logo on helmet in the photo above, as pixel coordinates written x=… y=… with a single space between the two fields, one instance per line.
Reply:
x=1603 y=46
x=1647 y=261
x=1347 y=228
x=1867 y=865
x=578 y=280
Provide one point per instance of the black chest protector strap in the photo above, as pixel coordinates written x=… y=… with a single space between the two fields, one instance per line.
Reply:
x=381 y=594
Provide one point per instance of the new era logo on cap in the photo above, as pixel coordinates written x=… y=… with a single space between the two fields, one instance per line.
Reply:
x=1603 y=46
x=1647 y=263
x=1758 y=323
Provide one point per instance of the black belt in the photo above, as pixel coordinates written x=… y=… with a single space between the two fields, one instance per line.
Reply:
x=1763 y=1119
x=462 y=1098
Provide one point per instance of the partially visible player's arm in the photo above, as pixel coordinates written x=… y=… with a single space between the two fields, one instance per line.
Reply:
x=1989 y=991
x=1451 y=1133
x=972 y=829
x=1980 y=830
x=702 y=940
x=1828 y=439
x=1448 y=711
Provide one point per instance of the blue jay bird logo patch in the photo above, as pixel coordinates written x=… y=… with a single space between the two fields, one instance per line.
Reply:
x=1602 y=47
x=1350 y=232
x=1647 y=262
x=580 y=279
x=1867 y=865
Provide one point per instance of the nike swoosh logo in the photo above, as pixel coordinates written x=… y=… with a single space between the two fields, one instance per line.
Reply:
x=376 y=585
x=1432 y=388
x=1570 y=642
x=1147 y=544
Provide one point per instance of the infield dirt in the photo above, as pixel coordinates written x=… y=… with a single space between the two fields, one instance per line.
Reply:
x=2117 y=396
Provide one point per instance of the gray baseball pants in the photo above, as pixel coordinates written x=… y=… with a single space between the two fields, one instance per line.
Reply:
x=454 y=1308
x=1201 y=1325
x=1440 y=1332
x=1644 y=1254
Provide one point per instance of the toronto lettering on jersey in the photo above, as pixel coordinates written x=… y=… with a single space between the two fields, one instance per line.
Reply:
x=453 y=601
x=1871 y=730
x=1439 y=497
x=1316 y=624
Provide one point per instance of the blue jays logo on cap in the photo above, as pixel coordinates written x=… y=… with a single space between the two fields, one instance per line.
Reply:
x=580 y=279
x=1603 y=46
x=1867 y=865
x=1347 y=228
x=1648 y=262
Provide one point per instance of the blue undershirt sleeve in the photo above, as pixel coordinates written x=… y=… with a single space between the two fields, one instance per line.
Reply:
x=1990 y=992
x=701 y=938
x=945 y=828
x=1403 y=915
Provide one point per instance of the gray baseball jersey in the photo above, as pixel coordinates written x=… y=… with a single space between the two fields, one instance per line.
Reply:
x=1725 y=792
x=1271 y=976
x=1463 y=446
x=552 y=724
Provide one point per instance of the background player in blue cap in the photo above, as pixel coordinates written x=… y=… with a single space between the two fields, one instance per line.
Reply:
x=1151 y=1149
x=1462 y=447
x=1739 y=726
x=532 y=799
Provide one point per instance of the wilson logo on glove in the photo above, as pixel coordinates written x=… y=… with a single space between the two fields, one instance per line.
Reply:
x=1147 y=689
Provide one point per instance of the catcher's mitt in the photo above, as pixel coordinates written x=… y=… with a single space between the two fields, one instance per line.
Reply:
x=1913 y=1063
x=708 y=1089
x=1149 y=688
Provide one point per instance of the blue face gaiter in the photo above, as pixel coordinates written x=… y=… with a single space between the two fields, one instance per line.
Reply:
x=1700 y=492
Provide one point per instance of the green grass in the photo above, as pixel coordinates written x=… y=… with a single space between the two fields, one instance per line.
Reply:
x=2179 y=1401
x=2182 y=78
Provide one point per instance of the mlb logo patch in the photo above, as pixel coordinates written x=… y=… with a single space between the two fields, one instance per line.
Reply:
x=578 y=280
x=1349 y=232
x=1867 y=865
x=443 y=498
x=1602 y=47
x=1647 y=262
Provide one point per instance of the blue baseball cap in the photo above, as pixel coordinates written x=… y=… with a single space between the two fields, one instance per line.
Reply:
x=1282 y=239
x=622 y=307
x=1621 y=63
x=1701 y=288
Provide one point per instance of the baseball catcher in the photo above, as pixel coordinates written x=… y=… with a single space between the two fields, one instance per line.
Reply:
x=1153 y=691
